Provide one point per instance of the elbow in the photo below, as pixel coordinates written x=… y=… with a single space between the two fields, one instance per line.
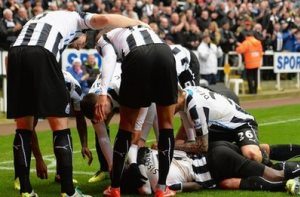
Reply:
x=100 y=21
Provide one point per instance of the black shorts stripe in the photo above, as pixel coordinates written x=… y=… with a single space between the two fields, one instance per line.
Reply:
x=184 y=61
x=56 y=43
x=212 y=94
x=131 y=42
x=206 y=113
x=44 y=35
x=28 y=33
x=114 y=95
x=194 y=113
x=175 y=51
x=147 y=37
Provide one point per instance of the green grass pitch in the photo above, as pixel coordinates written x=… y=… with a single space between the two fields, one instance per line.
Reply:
x=277 y=125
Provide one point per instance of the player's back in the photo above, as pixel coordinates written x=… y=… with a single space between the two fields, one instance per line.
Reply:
x=220 y=110
x=125 y=40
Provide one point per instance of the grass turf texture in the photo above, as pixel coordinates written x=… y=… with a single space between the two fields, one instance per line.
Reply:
x=278 y=125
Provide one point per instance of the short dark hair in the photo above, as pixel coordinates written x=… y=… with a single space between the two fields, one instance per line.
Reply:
x=87 y=105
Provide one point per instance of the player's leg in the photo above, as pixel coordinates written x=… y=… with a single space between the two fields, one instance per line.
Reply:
x=165 y=93
x=104 y=153
x=252 y=183
x=63 y=152
x=133 y=150
x=165 y=116
x=22 y=151
x=247 y=140
x=255 y=176
x=282 y=152
x=122 y=143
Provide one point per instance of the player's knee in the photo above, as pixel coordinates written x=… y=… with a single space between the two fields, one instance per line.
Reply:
x=230 y=183
x=252 y=153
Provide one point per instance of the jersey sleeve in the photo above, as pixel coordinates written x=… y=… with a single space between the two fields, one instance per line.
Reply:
x=198 y=115
x=85 y=20
x=109 y=61
x=188 y=127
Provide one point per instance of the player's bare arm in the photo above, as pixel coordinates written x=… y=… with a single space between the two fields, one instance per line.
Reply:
x=82 y=131
x=110 y=21
x=197 y=147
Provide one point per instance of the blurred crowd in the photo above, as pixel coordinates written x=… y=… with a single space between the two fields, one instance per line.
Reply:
x=274 y=22
x=223 y=23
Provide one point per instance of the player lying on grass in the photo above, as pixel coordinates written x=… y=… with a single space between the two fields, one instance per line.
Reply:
x=74 y=90
x=223 y=167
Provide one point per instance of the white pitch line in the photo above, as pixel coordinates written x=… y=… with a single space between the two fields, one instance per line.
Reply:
x=152 y=140
x=51 y=171
x=279 y=122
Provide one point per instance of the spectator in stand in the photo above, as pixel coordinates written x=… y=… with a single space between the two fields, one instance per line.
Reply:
x=38 y=9
x=79 y=74
x=155 y=17
x=288 y=36
x=208 y=58
x=1 y=8
x=177 y=27
x=204 y=21
x=52 y=6
x=9 y=29
x=297 y=43
x=277 y=39
x=147 y=8
x=192 y=37
x=232 y=20
x=12 y=5
x=227 y=41
x=164 y=25
x=145 y=19
x=22 y=16
x=97 y=7
x=252 y=50
x=129 y=12
x=244 y=28
x=28 y=7
x=214 y=33
x=70 y=6
x=117 y=8
x=91 y=67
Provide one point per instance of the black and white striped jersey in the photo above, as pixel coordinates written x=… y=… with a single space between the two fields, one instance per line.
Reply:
x=125 y=40
x=53 y=30
x=74 y=90
x=204 y=108
x=183 y=169
x=182 y=57
x=113 y=88
x=183 y=60
x=116 y=44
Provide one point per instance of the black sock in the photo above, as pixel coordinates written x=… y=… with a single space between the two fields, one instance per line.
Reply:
x=63 y=152
x=259 y=183
x=22 y=157
x=284 y=152
x=101 y=157
x=121 y=147
x=291 y=169
x=165 y=153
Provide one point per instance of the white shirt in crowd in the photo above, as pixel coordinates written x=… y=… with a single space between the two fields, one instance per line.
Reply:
x=208 y=58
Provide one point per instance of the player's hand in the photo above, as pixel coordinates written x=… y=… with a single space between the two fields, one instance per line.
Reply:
x=100 y=108
x=41 y=169
x=85 y=151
